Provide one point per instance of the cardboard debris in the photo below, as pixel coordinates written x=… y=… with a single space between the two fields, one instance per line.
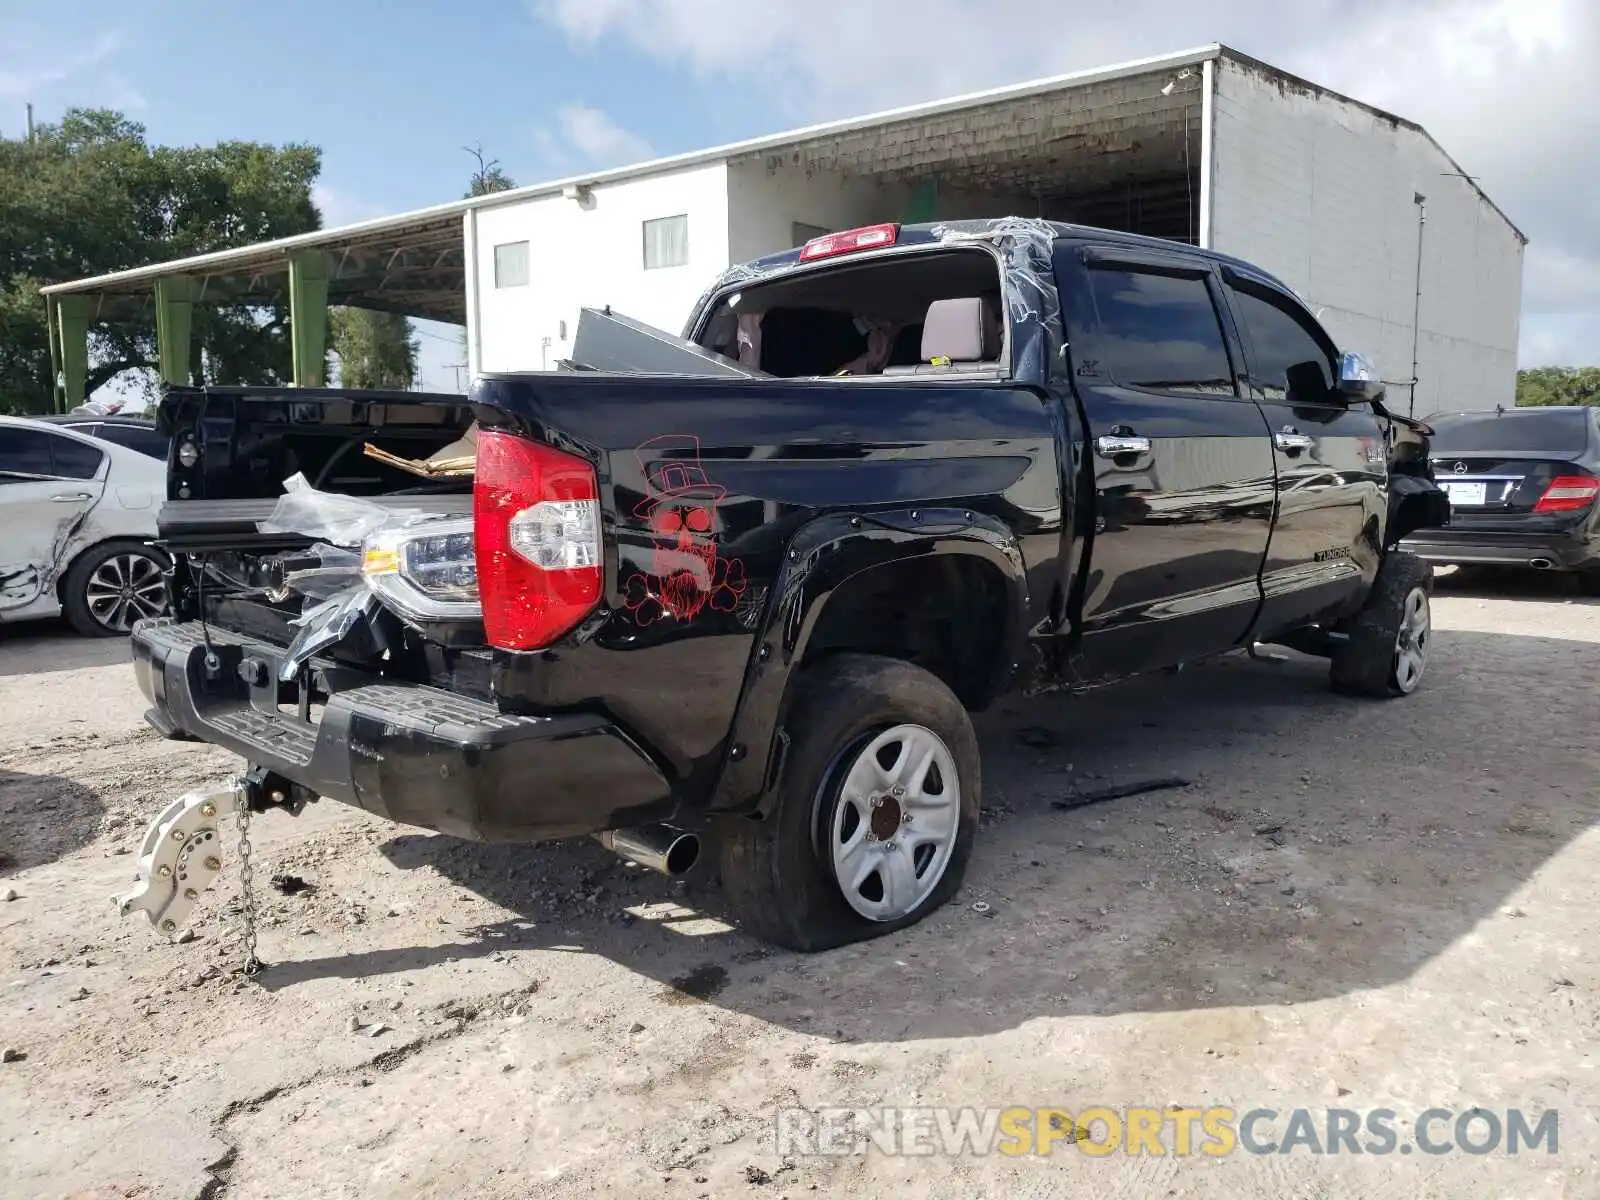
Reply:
x=458 y=458
x=426 y=468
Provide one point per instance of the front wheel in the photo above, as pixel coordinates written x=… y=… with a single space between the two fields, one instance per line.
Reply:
x=1389 y=640
x=874 y=819
x=112 y=586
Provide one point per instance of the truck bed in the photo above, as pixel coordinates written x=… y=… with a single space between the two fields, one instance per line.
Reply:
x=201 y=525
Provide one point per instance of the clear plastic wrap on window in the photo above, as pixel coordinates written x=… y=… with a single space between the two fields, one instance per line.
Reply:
x=328 y=516
x=1027 y=246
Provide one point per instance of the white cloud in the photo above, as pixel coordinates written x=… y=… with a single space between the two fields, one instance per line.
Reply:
x=598 y=138
x=1505 y=85
x=582 y=137
x=37 y=69
x=340 y=207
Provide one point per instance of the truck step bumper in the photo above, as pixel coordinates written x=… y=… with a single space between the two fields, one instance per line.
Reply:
x=410 y=753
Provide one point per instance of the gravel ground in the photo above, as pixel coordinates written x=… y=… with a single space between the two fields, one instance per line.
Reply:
x=1352 y=904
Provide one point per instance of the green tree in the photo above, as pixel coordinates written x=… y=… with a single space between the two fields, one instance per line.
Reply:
x=91 y=195
x=488 y=178
x=375 y=349
x=1558 y=385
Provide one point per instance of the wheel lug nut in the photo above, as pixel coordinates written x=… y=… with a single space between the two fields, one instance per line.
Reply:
x=899 y=792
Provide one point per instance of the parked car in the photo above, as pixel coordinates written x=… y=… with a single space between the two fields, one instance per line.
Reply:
x=136 y=433
x=1523 y=484
x=916 y=468
x=78 y=514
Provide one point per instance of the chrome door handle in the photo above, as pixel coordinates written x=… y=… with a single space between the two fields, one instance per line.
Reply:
x=1292 y=441
x=70 y=497
x=1108 y=446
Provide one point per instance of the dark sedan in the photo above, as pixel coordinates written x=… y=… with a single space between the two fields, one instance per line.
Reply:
x=136 y=433
x=1522 y=484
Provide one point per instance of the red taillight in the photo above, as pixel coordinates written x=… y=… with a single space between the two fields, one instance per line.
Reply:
x=1568 y=493
x=870 y=237
x=536 y=530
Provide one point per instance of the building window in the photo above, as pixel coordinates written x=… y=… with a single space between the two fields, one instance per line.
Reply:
x=803 y=233
x=666 y=242
x=511 y=265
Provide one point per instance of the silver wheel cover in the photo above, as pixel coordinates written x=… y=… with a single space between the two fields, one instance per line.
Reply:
x=1411 y=643
x=894 y=828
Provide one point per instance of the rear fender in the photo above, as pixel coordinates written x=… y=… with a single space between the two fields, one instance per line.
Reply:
x=822 y=557
x=1414 y=503
x=1415 y=500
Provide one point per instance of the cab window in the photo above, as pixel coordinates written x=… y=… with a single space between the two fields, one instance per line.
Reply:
x=1290 y=359
x=1159 y=331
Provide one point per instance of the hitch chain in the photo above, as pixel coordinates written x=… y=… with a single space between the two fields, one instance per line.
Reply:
x=247 y=893
x=182 y=854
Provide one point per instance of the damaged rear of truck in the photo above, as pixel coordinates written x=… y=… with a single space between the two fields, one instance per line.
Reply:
x=756 y=587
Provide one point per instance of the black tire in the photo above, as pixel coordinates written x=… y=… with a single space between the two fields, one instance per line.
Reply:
x=776 y=874
x=1588 y=581
x=85 y=616
x=1370 y=663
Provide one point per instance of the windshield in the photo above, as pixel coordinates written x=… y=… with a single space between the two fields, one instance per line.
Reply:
x=1549 y=431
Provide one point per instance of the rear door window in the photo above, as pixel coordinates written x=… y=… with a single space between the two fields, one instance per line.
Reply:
x=25 y=454
x=146 y=441
x=1159 y=331
x=74 y=459
x=1524 y=431
x=1289 y=359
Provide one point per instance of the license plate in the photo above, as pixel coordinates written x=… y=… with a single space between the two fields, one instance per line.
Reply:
x=1465 y=493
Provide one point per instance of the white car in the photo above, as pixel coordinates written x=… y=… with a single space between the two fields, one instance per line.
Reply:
x=76 y=514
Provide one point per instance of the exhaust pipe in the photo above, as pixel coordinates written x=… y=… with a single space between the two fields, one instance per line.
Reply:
x=663 y=849
x=1540 y=564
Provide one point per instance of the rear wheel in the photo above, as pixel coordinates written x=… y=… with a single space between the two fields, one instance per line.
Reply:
x=112 y=586
x=873 y=822
x=1389 y=640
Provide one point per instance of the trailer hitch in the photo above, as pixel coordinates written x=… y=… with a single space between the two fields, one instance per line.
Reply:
x=181 y=855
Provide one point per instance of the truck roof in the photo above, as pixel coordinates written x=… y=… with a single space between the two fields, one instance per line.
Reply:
x=925 y=234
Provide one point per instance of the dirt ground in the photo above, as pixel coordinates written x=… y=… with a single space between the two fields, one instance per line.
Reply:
x=1353 y=904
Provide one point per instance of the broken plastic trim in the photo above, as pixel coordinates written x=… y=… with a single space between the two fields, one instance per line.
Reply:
x=325 y=625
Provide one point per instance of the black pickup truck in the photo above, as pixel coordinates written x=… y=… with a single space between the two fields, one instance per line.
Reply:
x=924 y=466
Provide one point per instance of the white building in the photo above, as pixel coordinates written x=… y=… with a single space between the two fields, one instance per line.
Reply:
x=1360 y=211
x=1212 y=147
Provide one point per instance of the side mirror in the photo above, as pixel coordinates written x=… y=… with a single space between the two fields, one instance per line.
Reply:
x=1359 y=378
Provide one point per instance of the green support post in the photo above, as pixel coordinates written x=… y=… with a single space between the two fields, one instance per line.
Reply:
x=308 y=316
x=72 y=327
x=175 y=298
x=52 y=333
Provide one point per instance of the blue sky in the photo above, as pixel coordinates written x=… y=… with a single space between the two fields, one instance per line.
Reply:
x=392 y=92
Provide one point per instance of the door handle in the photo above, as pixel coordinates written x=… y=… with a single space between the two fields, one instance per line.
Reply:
x=1291 y=441
x=1113 y=446
x=71 y=497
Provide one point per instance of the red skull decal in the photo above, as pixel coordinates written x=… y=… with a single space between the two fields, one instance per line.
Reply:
x=686 y=572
